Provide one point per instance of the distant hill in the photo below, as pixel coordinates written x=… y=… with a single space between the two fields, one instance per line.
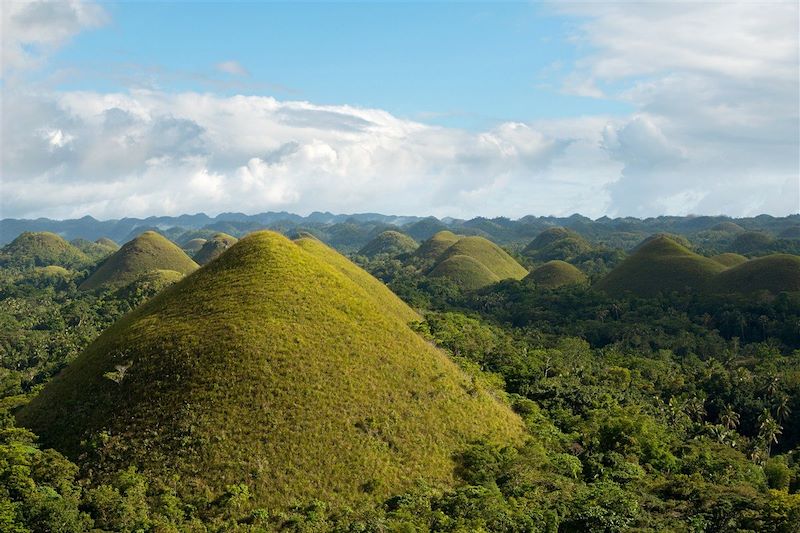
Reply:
x=556 y=244
x=772 y=273
x=792 y=232
x=193 y=246
x=660 y=264
x=40 y=249
x=431 y=249
x=751 y=242
x=555 y=274
x=97 y=250
x=149 y=251
x=390 y=243
x=465 y=271
x=489 y=254
x=213 y=247
x=727 y=227
x=269 y=364
x=729 y=259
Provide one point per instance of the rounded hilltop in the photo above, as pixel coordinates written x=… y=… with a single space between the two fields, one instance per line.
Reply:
x=660 y=264
x=432 y=248
x=149 y=251
x=277 y=363
x=465 y=271
x=41 y=249
x=213 y=248
x=391 y=243
x=555 y=274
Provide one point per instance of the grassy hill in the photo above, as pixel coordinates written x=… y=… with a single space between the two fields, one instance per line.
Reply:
x=96 y=250
x=556 y=244
x=729 y=259
x=214 y=247
x=379 y=292
x=39 y=249
x=556 y=274
x=392 y=243
x=193 y=246
x=773 y=273
x=467 y=272
x=149 y=251
x=660 y=264
x=792 y=232
x=727 y=227
x=269 y=365
x=431 y=249
x=489 y=254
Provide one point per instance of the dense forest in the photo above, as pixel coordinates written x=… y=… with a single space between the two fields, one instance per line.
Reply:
x=657 y=379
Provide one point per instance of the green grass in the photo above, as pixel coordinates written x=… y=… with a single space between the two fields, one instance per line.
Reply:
x=392 y=243
x=772 y=273
x=489 y=254
x=149 y=251
x=269 y=365
x=729 y=259
x=556 y=244
x=40 y=249
x=431 y=249
x=556 y=274
x=660 y=264
x=192 y=246
x=96 y=250
x=214 y=247
x=727 y=227
x=465 y=271
x=379 y=292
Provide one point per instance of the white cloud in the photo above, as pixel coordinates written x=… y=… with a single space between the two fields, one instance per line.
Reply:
x=33 y=29
x=233 y=68
x=716 y=86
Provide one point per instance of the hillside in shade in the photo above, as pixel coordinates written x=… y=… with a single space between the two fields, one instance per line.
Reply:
x=489 y=254
x=660 y=264
x=431 y=249
x=192 y=246
x=555 y=274
x=214 y=247
x=750 y=242
x=390 y=243
x=772 y=273
x=465 y=271
x=729 y=259
x=269 y=364
x=149 y=251
x=96 y=250
x=556 y=244
x=40 y=249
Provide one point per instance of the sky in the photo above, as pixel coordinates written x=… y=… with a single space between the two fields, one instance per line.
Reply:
x=447 y=109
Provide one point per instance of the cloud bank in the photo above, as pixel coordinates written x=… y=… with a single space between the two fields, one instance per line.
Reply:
x=715 y=130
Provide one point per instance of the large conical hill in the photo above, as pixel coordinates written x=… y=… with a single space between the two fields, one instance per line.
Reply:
x=41 y=249
x=391 y=243
x=273 y=367
x=555 y=274
x=149 y=251
x=465 y=271
x=772 y=273
x=214 y=247
x=489 y=254
x=432 y=248
x=660 y=264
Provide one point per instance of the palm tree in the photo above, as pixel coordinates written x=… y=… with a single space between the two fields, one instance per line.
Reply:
x=769 y=430
x=782 y=409
x=728 y=417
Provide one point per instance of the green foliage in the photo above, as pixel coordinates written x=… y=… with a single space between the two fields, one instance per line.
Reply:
x=40 y=250
x=213 y=248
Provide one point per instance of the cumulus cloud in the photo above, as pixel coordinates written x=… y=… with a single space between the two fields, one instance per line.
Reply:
x=33 y=29
x=142 y=152
x=717 y=92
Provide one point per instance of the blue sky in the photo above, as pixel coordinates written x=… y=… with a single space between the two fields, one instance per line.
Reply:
x=446 y=109
x=459 y=64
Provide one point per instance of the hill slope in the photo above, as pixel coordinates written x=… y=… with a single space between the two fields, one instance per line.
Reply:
x=432 y=248
x=556 y=244
x=39 y=249
x=270 y=365
x=389 y=242
x=149 y=251
x=729 y=259
x=556 y=274
x=489 y=254
x=773 y=273
x=465 y=271
x=214 y=247
x=660 y=264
